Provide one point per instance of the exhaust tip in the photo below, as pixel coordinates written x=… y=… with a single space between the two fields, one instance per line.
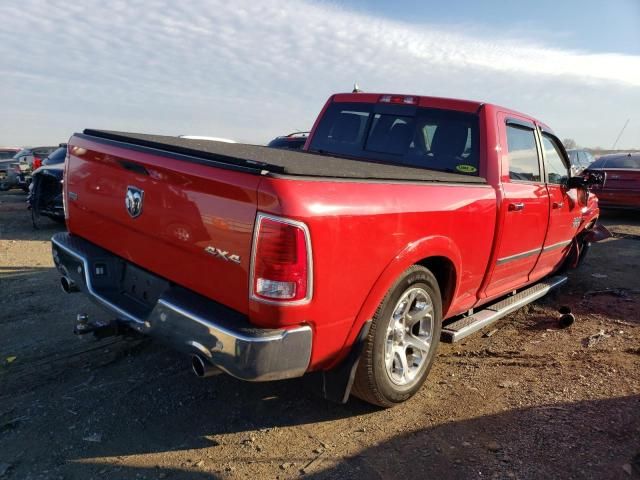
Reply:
x=68 y=286
x=198 y=366
x=202 y=368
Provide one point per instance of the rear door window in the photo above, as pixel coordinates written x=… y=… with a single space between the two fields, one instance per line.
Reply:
x=524 y=164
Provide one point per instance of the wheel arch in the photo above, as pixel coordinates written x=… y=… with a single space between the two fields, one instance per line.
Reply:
x=437 y=253
x=445 y=272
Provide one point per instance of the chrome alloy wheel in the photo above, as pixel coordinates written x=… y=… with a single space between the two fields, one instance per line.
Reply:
x=409 y=336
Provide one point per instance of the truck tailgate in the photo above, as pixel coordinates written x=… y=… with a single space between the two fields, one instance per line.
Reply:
x=195 y=221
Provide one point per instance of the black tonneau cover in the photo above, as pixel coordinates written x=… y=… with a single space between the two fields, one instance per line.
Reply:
x=279 y=161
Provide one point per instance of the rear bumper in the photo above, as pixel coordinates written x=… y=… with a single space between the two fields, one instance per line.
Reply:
x=186 y=320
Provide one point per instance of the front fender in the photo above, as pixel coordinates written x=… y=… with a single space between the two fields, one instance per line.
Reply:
x=414 y=252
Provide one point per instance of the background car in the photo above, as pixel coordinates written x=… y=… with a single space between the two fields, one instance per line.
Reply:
x=14 y=175
x=211 y=139
x=621 y=187
x=580 y=159
x=6 y=167
x=33 y=156
x=7 y=153
x=16 y=172
x=293 y=141
x=45 y=190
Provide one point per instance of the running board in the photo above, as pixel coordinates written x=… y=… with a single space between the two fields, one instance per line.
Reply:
x=463 y=327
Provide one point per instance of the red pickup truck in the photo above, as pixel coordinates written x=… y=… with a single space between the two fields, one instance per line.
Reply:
x=348 y=260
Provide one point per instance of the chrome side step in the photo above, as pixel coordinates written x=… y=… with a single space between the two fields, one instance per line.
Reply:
x=463 y=327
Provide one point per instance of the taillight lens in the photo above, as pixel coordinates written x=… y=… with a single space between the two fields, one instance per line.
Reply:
x=281 y=260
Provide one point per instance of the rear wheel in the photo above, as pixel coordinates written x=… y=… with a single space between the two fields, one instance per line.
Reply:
x=402 y=340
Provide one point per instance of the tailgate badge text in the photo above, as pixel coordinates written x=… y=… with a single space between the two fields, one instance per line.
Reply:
x=217 y=252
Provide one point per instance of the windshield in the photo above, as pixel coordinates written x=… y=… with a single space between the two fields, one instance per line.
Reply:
x=401 y=134
x=626 y=161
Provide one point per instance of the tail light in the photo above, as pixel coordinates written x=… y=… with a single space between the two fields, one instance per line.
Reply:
x=281 y=261
x=65 y=206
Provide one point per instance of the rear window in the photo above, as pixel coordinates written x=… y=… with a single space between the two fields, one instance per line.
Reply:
x=7 y=154
x=626 y=161
x=56 y=157
x=401 y=134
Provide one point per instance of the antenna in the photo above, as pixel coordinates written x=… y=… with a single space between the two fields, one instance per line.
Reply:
x=620 y=134
x=356 y=88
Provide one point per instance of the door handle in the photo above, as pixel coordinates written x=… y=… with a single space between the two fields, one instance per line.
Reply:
x=557 y=204
x=516 y=207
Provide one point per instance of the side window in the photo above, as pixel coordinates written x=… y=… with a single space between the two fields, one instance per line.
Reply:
x=557 y=171
x=523 y=155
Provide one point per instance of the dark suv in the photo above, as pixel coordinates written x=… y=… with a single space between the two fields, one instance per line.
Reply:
x=45 y=191
x=293 y=141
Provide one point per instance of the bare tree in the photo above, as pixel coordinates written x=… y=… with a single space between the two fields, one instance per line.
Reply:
x=569 y=143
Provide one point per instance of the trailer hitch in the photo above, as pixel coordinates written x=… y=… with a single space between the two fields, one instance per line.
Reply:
x=100 y=329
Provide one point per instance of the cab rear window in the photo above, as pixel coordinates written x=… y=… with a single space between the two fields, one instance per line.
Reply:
x=401 y=134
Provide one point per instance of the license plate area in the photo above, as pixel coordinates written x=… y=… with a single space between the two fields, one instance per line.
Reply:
x=141 y=286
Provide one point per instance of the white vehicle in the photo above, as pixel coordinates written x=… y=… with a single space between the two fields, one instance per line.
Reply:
x=213 y=139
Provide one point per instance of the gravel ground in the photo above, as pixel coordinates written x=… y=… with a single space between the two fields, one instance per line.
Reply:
x=529 y=401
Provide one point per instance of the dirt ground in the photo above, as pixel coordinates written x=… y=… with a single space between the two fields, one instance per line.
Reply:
x=529 y=401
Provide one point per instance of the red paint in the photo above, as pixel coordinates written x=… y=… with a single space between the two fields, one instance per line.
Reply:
x=363 y=234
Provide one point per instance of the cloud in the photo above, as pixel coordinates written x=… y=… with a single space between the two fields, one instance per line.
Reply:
x=251 y=70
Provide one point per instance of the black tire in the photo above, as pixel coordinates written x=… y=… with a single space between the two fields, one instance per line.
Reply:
x=36 y=218
x=373 y=383
x=4 y=186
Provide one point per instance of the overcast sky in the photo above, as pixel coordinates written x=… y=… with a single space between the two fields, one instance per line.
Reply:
x=251 y=70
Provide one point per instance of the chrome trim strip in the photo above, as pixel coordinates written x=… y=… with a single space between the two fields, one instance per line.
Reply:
x=87 y=281
x=518 y=256
x=496 y=311
x=307 y=236
x=557 y=245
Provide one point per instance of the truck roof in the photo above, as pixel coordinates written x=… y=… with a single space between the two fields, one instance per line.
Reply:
x=469 y=106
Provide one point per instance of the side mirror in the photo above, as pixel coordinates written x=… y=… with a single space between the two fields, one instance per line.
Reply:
x=586 y=181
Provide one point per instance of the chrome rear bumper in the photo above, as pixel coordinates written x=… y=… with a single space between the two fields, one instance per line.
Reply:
x=186 y=320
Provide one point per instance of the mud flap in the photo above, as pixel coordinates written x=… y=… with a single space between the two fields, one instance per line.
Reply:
x=337 y=382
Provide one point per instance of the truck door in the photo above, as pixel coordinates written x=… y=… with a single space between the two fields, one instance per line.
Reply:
x=565 y=209
x=524 y=209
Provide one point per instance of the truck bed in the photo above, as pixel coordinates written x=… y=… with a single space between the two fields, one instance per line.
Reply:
x=264 y=160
